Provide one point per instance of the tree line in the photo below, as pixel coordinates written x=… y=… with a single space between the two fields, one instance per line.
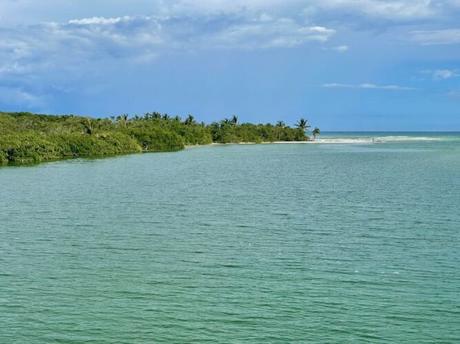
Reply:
x=27 y=138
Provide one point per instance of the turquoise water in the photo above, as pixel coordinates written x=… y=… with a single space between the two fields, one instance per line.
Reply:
x=288 y=243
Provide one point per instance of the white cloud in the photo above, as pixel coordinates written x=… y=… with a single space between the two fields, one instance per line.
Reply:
x=338 y=48
x=99 y=20
x=31 y=11
x=369 y=86
x=436 y=37
x=394 y=10
x=225 y=7
x=445 y=74
x=341 y=48
x=279 y=33
x=442 y=74
x=390 y=10
x=144 y=38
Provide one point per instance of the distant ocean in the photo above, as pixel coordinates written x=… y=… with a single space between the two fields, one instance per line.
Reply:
x=386 y=137
x=357 y=240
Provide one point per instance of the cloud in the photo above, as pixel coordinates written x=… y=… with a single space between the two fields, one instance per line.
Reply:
x=369 y=86
x=338 y=48
x=341 y=48
x=211 y=7
x=98 y=20
x=144 y=38
x=16 y=96
x=339 y=10
x=436 y=37
x=29 y=11
x=48 y=57
x=280 y=33
x=392 y=10
x=442 y=74
x=53 y=45
x=13 y=68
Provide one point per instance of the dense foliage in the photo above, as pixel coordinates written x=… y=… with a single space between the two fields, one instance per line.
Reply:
x=27 y=138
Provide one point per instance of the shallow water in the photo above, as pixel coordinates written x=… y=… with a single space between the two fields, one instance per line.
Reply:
x=261 y=244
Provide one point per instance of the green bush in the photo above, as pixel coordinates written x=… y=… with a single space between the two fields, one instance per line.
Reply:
x=104 y=144
x=157 y=140
x=27 y=138
x=27 y=149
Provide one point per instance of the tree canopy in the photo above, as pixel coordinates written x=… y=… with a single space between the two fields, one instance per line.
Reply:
x=27 y=138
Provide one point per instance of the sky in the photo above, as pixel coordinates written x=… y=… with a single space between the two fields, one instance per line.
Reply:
x=342 y=64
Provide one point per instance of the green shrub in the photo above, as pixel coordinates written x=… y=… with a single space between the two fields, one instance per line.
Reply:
x=104 y=144
x=27 y=148
x=27 y=138
x=157 y=140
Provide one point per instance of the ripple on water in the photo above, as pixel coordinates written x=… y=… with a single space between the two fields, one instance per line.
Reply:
x=271 y=243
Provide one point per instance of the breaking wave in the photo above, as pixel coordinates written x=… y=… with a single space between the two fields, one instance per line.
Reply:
x=379 y=139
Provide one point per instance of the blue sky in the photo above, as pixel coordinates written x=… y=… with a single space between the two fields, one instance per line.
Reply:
x=343 y=64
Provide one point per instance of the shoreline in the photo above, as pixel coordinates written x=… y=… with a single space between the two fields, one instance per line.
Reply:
x=100 y=157
x=187 y=147
x=27 y=138
x=251 y=143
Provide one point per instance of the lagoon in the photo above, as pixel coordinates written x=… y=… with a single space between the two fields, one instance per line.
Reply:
x=356 y=240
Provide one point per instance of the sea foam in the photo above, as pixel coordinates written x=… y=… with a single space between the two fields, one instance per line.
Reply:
x=377 y=139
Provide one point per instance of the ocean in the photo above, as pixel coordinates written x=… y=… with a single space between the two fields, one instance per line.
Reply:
x=352 y=240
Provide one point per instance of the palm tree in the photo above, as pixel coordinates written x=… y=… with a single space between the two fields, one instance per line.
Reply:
x=122 y=120
x=189 y=120
x=226 y=121
x=303 y=124
x=280 y=125
x=316 y=132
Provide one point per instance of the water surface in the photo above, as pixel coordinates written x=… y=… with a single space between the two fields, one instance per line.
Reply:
x=262 y=244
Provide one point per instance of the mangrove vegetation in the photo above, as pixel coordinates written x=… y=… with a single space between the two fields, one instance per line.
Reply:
x=27 y=138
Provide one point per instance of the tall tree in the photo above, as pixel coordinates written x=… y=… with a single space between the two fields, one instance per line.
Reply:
x=303 y=124
x=189 y=120
x=316 y=132
x=226 y=121
x=122 y=120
